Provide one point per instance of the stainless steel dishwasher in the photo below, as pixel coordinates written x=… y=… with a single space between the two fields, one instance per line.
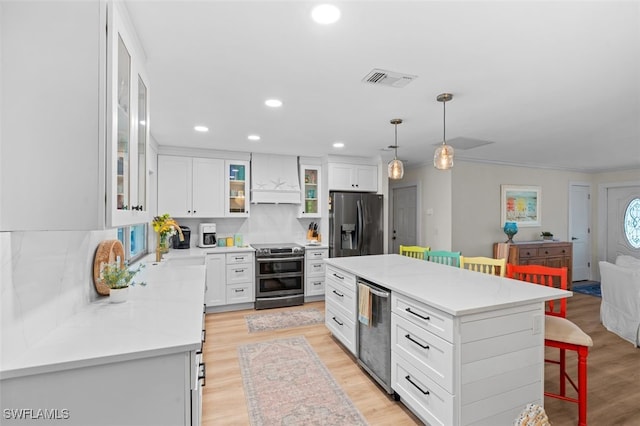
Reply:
x=374 y=347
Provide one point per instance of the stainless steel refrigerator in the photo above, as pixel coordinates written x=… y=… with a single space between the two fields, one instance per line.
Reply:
x=355 y=224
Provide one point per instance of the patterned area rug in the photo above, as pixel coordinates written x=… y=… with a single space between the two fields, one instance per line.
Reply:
x=285 y=383
x=592 y=288
x=283 y=319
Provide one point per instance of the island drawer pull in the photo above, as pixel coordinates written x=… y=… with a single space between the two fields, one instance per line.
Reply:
x=338 y=294
x=338 y=276
x=424 y=392
x=239 y=270
x=408 y=336
x=339 y=323
x=203 y=377
x=417 y=314
x=204 y=335
x=239 y=290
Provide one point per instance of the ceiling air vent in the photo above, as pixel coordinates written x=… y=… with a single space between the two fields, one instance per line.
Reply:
x=388 y=78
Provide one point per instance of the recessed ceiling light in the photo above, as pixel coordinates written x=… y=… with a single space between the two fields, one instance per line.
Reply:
x=325 y=14
x=338 y=144
x=273 y=103
x=253 y=137
x=201 y=129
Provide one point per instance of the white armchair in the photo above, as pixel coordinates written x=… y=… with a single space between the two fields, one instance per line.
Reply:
x=620 y=307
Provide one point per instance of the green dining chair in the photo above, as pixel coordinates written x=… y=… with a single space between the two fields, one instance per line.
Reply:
x=450 y=258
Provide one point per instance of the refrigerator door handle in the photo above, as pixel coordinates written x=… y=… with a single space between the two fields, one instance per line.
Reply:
x=359 y=225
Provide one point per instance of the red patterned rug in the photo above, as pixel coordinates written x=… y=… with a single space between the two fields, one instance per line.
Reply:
x=283 y=319
x=285 y=383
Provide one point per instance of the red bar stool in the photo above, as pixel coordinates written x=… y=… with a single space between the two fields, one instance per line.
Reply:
x=559 y=332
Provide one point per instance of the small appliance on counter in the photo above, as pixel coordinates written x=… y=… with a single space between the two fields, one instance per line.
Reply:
x=207 y=235
x=184 y=244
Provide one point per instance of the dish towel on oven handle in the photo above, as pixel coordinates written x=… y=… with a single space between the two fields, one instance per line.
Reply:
x=364 y=304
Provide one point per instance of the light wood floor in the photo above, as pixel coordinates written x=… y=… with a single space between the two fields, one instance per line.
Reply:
x=614 y=372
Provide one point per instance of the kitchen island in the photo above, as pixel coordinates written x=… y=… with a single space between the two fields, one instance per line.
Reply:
x=137 y=362
x=466 y=348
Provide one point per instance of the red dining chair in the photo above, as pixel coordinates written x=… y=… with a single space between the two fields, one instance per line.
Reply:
x=559 y=332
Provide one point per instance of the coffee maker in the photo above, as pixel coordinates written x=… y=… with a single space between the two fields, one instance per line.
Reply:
x=184 y=244
x=207 y=235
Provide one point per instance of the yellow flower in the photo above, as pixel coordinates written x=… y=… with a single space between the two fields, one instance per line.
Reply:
x=165 y=225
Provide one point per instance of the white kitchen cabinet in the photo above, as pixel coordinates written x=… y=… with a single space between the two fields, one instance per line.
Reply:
x=127 y=130
x=190 y=186
x=341 y=306
x=353 y=177
x=72 y=132
x=240 y=279
x=237 y=180
x=314 y=272
x=216 y=283
x=311 y=194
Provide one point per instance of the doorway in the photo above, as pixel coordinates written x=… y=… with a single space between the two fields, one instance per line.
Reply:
x=404 y=217
x=618 y=199
x=580 y=229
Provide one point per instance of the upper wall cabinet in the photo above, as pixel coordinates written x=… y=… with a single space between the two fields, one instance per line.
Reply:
x=74 y=148
x=237 y=180
x=128 y=129
x=190 y=187
x=311 y=194
x=353 y=177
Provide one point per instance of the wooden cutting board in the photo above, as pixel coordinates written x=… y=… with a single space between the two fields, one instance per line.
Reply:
x=108 y=251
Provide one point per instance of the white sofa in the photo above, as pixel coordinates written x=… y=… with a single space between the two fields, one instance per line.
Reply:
x=620 y=307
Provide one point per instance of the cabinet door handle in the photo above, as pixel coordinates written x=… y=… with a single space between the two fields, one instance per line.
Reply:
x=204 y=335
x=203 y=377
x=239 y=290
x=317 y=283
x=338 y=294
x=424 y=392
x=239 y=270
x=338 y=276
x=418 y=315
x=408 y=336
x=339 y=323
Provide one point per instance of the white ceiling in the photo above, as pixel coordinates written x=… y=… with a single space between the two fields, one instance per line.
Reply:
x=550 y=84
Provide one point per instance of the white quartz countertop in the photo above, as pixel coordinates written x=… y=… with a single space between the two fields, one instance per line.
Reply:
x=453 y=290
x=163 y=317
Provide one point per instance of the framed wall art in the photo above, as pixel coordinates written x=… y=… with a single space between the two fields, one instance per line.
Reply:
x=521 y=204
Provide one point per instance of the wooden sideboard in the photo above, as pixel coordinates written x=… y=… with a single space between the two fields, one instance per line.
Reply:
x=548 y=253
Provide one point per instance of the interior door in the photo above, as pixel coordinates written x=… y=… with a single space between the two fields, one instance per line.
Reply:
x=405 y=224
x=618 y=199
x=580 y=230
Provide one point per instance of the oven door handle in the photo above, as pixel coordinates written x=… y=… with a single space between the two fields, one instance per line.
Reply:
x=277 y=259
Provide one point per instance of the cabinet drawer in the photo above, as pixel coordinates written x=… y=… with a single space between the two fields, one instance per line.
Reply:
x=429 y=353
x=315 y=267
x=526 y=253
x=553 y=251
x=429 y=401
x=239 y=258
x=430 y=319
x=240 y=273
x=314 y=286
x=344 y=299
x=240 y=293
x=338 y=275
x=317 y=254
x=341 y=326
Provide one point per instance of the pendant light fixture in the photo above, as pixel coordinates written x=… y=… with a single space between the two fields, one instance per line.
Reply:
x=396 y=168
x=443 y=157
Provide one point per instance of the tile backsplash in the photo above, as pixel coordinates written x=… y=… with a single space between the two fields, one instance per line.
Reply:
x=45 y=277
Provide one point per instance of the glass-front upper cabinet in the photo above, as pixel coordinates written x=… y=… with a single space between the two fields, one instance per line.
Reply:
x=127 y=125
x=237 y=188
x=311 y=191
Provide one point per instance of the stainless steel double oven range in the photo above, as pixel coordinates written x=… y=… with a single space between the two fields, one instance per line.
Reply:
x=279 y=275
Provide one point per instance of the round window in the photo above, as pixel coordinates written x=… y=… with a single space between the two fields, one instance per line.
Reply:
x=632 y=223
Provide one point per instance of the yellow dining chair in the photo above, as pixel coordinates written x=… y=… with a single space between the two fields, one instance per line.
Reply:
x=417 y=252
x=450 y=258
x=486 y=265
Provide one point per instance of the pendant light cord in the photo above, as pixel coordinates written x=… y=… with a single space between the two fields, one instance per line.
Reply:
x=395 y=156
x=444 y=123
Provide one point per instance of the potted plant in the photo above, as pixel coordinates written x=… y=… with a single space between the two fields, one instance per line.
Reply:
x=118 y=279
x=546 y=235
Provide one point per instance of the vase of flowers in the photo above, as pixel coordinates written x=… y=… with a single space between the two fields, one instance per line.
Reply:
x=118 y=278
x=165 y=227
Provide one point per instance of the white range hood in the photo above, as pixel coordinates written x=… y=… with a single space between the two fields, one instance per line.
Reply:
x=274 y=179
